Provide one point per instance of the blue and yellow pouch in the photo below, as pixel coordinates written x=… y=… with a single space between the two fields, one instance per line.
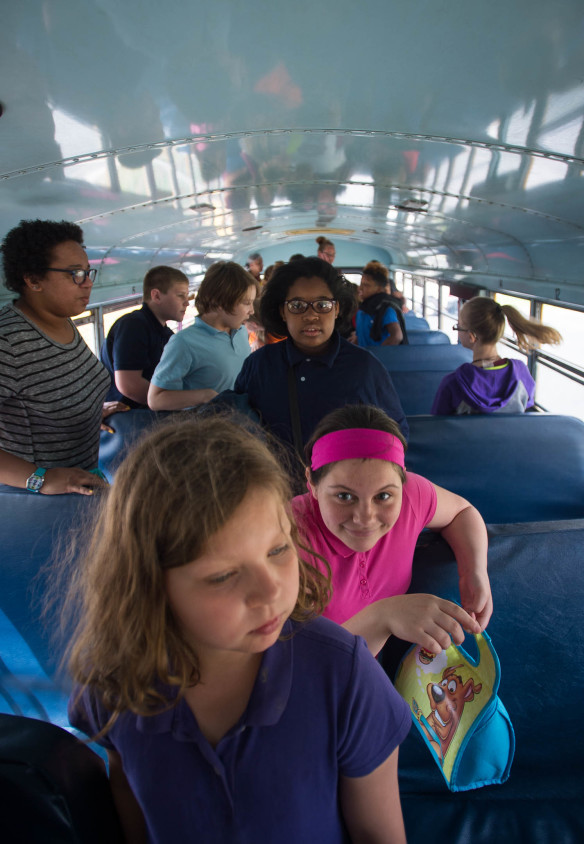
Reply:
x=455 y=706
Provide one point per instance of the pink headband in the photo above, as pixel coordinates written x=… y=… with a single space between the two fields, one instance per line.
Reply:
x=352 y=443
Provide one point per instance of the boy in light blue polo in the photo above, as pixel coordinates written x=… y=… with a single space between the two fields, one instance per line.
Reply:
x=205 y=358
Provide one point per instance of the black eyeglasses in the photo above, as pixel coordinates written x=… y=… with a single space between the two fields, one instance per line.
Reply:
x=78 y=276
x=458 y=328
x=319 y=306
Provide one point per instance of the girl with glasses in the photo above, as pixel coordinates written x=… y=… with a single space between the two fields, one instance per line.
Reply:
x=52 y=387
x=314 y=370
x=491 y=384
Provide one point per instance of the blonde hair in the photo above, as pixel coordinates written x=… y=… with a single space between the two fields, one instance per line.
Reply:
x=172 y=493
x=486 y=318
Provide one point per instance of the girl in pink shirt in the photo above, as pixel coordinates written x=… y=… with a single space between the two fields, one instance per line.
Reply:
x=363 y=514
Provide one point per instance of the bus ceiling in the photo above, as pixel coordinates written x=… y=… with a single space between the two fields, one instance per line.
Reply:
x=444 y=138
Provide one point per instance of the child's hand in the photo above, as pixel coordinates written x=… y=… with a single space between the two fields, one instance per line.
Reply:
x=476 y=598
x=429 y=621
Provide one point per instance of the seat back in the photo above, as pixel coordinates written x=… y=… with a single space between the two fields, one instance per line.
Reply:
x=427 y=337
x=513 y=467
x=416 y=323
x=433 y=358
x=416 y=371
x=128 y=427
x=35 y=530
x=537 y=580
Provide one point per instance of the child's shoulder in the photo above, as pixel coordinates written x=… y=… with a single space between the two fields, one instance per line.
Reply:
x=323 y=635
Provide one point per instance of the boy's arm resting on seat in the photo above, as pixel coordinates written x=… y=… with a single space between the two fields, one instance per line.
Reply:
x=462 y=526
x=14 y=471
x=128 y=808
x=423 y=619
x=176 y=363
x=371 y=805
x=160 y=399
x=131 y=383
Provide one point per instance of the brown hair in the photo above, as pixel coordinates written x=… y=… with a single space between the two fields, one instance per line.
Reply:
x=171 y=494
x=269 y=271
x=352 y=416
x=324 y=241
x=224 y=285
x=486 y=318
x=378 y=272
x=161 y=278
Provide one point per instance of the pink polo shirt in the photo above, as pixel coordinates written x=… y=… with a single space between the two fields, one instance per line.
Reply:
x=360 y=578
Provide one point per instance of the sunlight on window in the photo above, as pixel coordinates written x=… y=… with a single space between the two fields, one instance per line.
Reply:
x=570 y=324
x=557 y=394
x=74 y=137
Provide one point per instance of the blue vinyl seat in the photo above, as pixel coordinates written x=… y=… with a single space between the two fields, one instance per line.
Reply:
x=513 y=467
x=427 y=337
x=433 y=358
x=416 y=371
x=35 y=531
x=128 y=427
x=537 y=580
x=416 y=323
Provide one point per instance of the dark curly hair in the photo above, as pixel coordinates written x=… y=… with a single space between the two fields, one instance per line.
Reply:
x=26 y=249
x=276 y=290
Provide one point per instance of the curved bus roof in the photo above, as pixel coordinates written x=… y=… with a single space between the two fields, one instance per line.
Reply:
x=444 y=138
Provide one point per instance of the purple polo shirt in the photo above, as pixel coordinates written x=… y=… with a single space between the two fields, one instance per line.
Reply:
x=321 y=708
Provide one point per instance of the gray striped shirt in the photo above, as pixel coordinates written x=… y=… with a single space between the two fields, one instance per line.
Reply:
x=51 y=395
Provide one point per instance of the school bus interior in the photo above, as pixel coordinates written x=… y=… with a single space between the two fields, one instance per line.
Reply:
x=445 y=140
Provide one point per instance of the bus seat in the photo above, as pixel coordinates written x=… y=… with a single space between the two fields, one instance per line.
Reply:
x=416 y=371
x=33 y=529
x=442 y=358
x=427 y=337
x=128 y=427
x=521 y=467
x=416 y=323
x=417 y=390
x=537 y=581
x=53 y=787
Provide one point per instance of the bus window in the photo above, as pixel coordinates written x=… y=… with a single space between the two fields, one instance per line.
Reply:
x=110 y=316
x=448 y=311
x=570 y=324
x=556 y=394
x=432 y=300
x=85 y=324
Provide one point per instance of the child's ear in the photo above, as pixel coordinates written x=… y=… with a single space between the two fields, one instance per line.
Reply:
x=311 y=486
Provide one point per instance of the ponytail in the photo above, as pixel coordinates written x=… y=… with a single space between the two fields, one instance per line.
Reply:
x=529 y=332
x=486 y=319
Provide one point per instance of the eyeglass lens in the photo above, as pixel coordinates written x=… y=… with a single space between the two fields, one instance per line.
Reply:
x=320 y=306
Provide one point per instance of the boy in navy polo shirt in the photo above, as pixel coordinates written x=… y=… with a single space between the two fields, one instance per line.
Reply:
x=135 y=342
